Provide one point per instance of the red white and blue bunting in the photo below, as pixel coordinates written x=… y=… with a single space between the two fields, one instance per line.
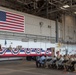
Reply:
x=23 y=52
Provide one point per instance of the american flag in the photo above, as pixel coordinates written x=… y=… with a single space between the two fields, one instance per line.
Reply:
x=11 y=22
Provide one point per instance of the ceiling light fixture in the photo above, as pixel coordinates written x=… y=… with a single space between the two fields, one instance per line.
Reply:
x=66 y=6
x=74 y=12
x=62 y=8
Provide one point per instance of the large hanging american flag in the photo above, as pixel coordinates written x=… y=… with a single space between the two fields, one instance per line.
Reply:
x=11 y=22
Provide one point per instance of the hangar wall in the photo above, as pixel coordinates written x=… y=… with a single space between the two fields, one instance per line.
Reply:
x=69 y=28
x=39 y=26
x=36 y=25
x=33 y=26
x=44 y=27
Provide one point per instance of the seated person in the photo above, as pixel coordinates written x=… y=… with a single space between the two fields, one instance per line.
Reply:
x=42 y=60
x=59 y=62
x=53 y=59
x=72 y=66
x=66 y=58
x=37 y=61
x=71 y=59
x=10 y=48
x=75 y=66
x=74 y=58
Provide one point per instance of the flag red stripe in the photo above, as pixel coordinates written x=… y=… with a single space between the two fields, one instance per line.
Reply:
x=15 y=19
x=13 y=14
x=12 y=24
x=10 y=29
x=8 y=26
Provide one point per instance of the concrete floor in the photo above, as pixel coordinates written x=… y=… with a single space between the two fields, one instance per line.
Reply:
x=22 y=67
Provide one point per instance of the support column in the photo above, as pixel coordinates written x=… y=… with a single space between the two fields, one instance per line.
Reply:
x=57 y=36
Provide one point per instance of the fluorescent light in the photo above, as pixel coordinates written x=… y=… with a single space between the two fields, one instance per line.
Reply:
x=66 y=6
x=74 y=12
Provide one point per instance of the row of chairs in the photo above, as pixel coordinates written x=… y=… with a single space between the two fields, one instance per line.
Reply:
x=71 y=67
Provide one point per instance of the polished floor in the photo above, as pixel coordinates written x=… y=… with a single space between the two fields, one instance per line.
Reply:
x=23 y=67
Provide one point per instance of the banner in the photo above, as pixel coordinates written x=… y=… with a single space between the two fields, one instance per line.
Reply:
x=4 y=52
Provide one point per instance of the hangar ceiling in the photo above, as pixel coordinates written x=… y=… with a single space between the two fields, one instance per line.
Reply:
x=44 y=8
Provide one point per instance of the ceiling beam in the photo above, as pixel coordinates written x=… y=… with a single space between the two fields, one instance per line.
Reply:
x=41 y=8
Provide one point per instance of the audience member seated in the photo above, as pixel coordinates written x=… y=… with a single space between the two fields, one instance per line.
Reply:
x=59 y=62
x=42 y=61
x=75 y=67
x=52 y=61
x=72 y=66
x=37 y=61
x=65 y=57
x=71 y=59
x=10 y=48
x=66 y=62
